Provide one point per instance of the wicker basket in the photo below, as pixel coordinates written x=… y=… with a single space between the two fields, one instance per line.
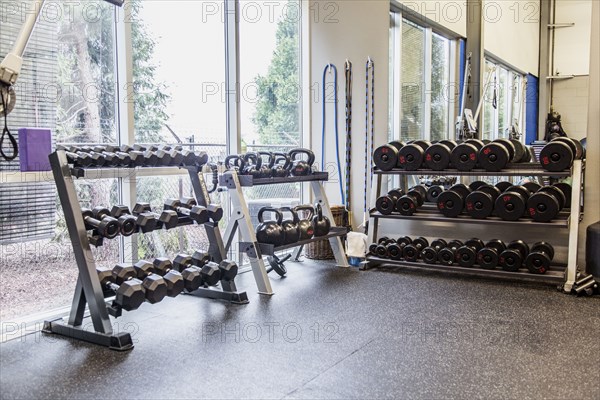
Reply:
x=321 y=249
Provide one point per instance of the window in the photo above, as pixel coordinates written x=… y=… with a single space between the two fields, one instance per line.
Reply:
x=503 y=107
x=421 y=67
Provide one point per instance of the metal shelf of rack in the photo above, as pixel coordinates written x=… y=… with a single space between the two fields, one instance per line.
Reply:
x=249 y=180
x=529 y=169
x=269 y=249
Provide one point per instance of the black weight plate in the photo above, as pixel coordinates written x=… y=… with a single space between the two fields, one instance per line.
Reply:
x=394 y=251
x=556 y=156
x=476 y=142
x=510 y=206
x=396 y=193
x=424 y=144
x=450 y=203
x=462 y=189
x=450 y=143
x=464 y=157
x=437 y=157
x=455 y=244
x=520 y=246
x=503 y=185
x=278 y=267
x=493 y=157
x=531 y=186
x=487 y=258
x=520 y=150
x=403 y=241
x=384 y=239
x=491 y=190
x=522 y=190
x=575 y=145
x=373 y=248
x=510 y=147
x=417 y=195
x=466 y=256
x=486 y=141
x=385 y=157
x=567 y=191
x=446 y=256
x=477 y=184
x=543 y=207
x=527 y=157
x=497 y=245
x=439 y=244
x=433 y=192
x=421 y=189
x=410 y=252
x=510 y=260
x=429 y=255
x=407 y=205
x=556 y=192
x=381 y=251
x=479 y=205
x=475 y=243
x=410 y=157
x=397 y=144
x=537 y=263
x=543 y=247
x=420 y=243
x=385 y=205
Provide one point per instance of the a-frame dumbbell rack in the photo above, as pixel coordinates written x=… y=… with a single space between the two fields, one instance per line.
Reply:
x=88 y=290
x=240 y=221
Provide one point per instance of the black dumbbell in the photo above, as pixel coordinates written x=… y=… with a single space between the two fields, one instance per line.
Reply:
x=215 y=211
x=107 y=227
x=496 y=155
x=411 y=155
x=395 y=247
x=433 y=192
x=451 y=202
x=189 y=209
x=81 y=160
x=413 y=199
x=466 y=256
x=480 y=203
x=200 y=258
x=530 y=185
x=229 y=270
x=567 y=191
x=522 y=154
x=559 y=154
x=155 y=287
x=136 y=156
x=546 y=203
x=511 y=204
x=386 y=204
x=386 y=157
x=167 y=218
x=164 y=267
x=538 y=260
x=208 y=274
x=513 y=257
x=382 y=247
x=503 y=185
x=464 y=155
x=412 y=251
x=430 y=253
x=489 y=256
x=447 y=255
x=150 y=157
x=437 y=156
x=129 y=293
x=127 y=226
x=146 y=222
x=192 y=275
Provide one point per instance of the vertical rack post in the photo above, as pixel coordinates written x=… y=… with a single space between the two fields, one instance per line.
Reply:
x=335 y=242
x=577 y=188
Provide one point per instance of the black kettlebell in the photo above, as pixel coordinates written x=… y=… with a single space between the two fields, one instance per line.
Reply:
x=321 y=223
x=305 y=225
x=234 y=162
x=301 y=167
x=270 y=232
x=290 y=226
x=252 y=165
x=281 y=165
x=266 y=169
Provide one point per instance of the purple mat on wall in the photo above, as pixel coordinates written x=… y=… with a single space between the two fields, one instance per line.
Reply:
x=35 y=144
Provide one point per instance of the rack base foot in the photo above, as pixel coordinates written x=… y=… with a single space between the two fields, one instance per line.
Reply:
x=118 y=342
x=233 y=297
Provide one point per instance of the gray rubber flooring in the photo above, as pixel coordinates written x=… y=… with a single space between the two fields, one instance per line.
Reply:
x=332 y=333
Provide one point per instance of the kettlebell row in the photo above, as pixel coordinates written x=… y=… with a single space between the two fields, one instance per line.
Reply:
x=265 y=164
x=280 y=231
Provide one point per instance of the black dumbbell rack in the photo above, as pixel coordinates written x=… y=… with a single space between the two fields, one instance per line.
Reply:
x=88 y=290
x=567 y=219
x=240 y=221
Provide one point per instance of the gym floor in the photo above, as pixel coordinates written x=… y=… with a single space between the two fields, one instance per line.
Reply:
x=332 y=333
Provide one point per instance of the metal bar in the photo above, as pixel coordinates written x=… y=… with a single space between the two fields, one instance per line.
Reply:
x=531 y=169
x=119 y=342
x=574 y=224
x=232 y=76
x=475 y=48
x=336 y=241
x=372 y=231
x=544 y=66
x=78 y=305
x=81 y=248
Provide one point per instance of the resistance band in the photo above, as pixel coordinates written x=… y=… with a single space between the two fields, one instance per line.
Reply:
x=369 y=130
x=330 y=68
x=348 y=134
x=6 y=132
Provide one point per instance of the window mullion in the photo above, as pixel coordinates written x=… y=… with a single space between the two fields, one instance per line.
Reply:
x=427 y=85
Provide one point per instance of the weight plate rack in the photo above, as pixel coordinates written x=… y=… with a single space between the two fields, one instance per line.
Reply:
x=88 y=290
x=240 y=221
x=561 y=274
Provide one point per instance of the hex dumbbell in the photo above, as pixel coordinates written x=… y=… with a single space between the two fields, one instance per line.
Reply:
x=195 y=212
x=107 y=227
x=129 y=293
x=215 y=211
x=538 y=260
x=154 y=285
x=208 y=275
x=127 y=226
x=146 y=222
x=164 y=267
x=167 y=218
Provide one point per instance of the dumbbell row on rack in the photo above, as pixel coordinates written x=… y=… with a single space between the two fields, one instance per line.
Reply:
x=109 y=156
x=279 y=232
x=144 y=281
x=472 y=252
x=265 y=164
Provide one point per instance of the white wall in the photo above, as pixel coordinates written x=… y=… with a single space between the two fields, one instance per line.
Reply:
x=353 y=30
x=511 y=32
x=451 y=14
x=572 y=45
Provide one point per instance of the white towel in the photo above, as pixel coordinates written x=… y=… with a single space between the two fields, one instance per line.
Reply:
x=357 y=244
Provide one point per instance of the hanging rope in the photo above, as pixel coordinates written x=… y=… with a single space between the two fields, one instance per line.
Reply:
x=348 y=73
x=331 y=68
x=6 y=131
x=369 y=129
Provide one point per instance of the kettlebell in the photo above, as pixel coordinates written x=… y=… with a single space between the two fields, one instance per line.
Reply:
x=301 y=167
x=252 y=165
x=290 y=226
x=270 y=232
x=305 y=225
x=321 y=223
x=234 y=162
x=266 y=169
x=280 y=170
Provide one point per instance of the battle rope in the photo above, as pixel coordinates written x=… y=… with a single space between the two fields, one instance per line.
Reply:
x=6 y=132
x=369 y=130
x=348 y=74
x=331 y=67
